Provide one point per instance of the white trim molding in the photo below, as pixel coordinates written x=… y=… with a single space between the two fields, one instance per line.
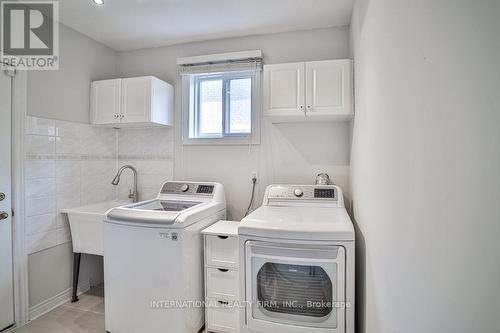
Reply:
x=20 y=258
x=57 y=300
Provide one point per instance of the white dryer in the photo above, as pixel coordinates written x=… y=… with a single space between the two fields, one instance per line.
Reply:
x=153 y=259
x=297 y=255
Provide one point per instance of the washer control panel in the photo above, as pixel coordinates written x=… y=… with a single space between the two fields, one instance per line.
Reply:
x=187 y=188
x=302 y=192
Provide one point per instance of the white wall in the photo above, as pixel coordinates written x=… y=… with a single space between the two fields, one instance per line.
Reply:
x=64 y=94
x=289 y=153
x=425 y=165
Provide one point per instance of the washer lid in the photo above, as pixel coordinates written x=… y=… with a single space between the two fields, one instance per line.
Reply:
x=158 y=211
x=166 y=205
x=304 y=223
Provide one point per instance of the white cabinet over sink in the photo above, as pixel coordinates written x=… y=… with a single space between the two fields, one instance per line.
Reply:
x=132 y=102
x=308 y=91
x=105 y=103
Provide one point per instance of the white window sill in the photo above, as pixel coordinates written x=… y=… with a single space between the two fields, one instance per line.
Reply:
x=222 y=141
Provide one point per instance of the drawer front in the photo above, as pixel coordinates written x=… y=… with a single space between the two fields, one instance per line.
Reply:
x=222 y=251
x=222 y=283
x=222 y=318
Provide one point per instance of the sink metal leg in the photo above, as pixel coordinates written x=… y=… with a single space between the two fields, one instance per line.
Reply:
x=76 y=272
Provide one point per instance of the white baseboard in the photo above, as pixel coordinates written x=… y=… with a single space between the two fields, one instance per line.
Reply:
x=10 y=329
x=94 y=283
x=57 y=300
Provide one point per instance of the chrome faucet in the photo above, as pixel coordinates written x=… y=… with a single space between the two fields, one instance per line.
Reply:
x=132 y=193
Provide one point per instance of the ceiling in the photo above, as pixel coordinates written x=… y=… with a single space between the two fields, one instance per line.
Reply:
x=134 y=24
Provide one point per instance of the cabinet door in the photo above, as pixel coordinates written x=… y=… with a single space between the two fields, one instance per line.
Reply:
x=136 y=100
x=162 y=109
x=329 y=88
x=106 y=101
x=284 y=89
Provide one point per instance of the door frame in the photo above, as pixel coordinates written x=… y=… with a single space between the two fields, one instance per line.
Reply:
x=20 y=258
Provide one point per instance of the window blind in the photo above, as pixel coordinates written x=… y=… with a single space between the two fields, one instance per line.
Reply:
x=240 y=65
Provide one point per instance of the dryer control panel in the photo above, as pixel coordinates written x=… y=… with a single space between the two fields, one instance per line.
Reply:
x=304 y=195
x=302 y=192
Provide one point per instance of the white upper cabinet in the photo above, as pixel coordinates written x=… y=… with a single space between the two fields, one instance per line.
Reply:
x=284 y=92
x=106 y=99
x=315 y=91
x=136 y=100
x=143 y=101
x=329 y=90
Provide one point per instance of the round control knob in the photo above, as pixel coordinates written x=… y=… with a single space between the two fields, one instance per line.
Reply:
x=185 y=188
x=298 y=192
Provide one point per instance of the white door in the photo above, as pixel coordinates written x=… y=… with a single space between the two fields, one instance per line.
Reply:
x=106 y=99
x=284 y=89
x=328 y=87
x=6 y=282
x=136 y=100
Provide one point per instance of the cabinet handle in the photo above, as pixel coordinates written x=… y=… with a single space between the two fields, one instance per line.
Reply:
x=115 y=116
x=223 y=302
x=222 y=237
x=122 y=116
x=223 y=270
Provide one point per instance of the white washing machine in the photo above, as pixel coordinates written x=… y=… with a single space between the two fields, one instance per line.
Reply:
x=297 y=255
x=153 y=259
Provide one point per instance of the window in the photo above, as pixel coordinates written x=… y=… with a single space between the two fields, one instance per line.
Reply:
x=222 y=105
x=221 y=101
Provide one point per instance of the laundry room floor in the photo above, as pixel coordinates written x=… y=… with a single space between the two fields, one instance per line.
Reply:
x=84 y=316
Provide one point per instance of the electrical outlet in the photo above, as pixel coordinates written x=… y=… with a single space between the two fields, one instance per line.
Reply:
x=254 y=175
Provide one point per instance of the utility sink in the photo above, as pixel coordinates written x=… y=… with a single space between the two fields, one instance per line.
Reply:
x=86 y=223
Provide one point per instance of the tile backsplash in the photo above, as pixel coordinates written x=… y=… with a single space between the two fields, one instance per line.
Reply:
x=71 y=164
x=150 y=151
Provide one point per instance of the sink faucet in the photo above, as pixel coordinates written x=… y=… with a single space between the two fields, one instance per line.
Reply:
x=132 y=194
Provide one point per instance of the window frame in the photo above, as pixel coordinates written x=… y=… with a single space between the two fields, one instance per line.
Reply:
x=190 y=103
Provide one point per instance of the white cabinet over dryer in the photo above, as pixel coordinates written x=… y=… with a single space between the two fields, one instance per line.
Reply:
x=132 y=102
x=284 y=89
x=308 y=91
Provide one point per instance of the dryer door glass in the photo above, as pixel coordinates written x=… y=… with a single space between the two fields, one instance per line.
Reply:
x=293 y=284
x=294 y=289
